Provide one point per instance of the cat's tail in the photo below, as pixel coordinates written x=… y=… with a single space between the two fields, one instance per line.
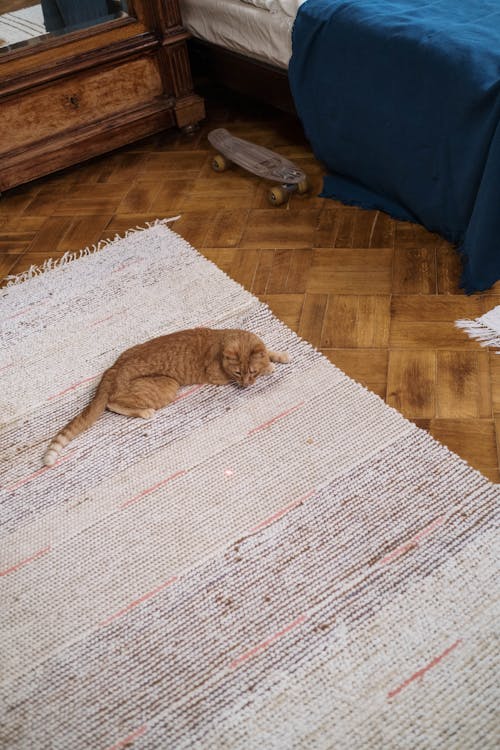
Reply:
x=82 y=421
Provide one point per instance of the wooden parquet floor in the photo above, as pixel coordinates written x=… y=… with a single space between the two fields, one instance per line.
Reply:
x=378 y=297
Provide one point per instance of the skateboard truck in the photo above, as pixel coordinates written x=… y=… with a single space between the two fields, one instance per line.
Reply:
x=259 y=161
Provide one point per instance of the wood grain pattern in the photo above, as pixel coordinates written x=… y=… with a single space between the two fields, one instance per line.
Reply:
x=462 y=385
x=76 y=95
x=415 y=271
x=366 y=366
x=74 y=103
x=345 y=270
x=474 y=439
x=378 y=297
x=411 y=383
x=313 y=315
x=356 y=321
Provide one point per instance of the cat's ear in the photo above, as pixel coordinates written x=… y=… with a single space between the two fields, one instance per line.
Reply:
x=259 y=351
x=231 y=352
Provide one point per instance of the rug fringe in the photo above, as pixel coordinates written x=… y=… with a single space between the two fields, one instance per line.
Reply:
x=52 y=263
x=480 y=331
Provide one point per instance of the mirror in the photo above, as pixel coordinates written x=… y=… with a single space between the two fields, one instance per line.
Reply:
x=26 y=22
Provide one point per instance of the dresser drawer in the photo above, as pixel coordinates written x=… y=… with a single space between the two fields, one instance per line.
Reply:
x=77 y=102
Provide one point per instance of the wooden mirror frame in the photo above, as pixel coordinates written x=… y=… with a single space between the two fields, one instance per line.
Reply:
x=71 y=97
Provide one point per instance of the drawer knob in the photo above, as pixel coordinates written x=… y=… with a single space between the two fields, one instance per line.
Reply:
x=73 y=101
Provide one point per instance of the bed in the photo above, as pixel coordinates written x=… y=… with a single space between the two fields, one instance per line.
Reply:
x=399 y=99
x=241 y=27
x=244 y=47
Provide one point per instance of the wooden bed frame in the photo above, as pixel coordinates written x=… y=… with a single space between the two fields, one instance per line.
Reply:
x=252 y=78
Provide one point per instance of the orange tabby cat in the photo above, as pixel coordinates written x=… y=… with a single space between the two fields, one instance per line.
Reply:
x=147 y=376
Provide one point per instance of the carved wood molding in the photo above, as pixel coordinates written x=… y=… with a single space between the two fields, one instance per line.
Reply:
x=60 y=152
x=73 y=97
x=69 y=63
x=161 y=15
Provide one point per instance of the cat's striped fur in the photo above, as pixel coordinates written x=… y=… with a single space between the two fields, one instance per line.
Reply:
x=147 y=376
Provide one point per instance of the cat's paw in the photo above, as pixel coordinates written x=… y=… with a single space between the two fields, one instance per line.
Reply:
x=281 y=357
x=147 y=413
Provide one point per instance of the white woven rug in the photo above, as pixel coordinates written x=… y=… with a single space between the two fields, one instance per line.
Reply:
x=486 y=328
x=292 y=565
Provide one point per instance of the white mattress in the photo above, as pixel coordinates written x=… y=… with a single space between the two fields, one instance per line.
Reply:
x=241 y=27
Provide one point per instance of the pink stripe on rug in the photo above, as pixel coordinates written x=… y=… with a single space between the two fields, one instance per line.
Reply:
x=24 y=562
x=420 y=673
x=136 y=602
x=154 y=487
x=268 y=642
x=275 y=419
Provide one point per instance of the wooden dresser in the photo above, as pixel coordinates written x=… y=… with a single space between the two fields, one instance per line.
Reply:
x=64 y=99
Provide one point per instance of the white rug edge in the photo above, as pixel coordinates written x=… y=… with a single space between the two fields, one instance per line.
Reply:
x=485 y=329
x=51 y=264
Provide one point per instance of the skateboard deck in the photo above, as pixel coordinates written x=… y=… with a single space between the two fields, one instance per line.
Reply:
x=259 y=161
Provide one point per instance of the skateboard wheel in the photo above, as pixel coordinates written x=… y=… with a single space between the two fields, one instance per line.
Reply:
x=277 y=195
x=303 y=187
x=219 y=163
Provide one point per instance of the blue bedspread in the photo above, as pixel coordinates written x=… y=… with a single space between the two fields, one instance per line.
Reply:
x=400 y=99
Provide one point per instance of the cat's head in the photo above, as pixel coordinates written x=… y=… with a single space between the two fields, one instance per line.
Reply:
x=245 y=357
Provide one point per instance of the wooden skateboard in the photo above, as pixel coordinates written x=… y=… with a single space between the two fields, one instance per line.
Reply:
x=259 y=161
